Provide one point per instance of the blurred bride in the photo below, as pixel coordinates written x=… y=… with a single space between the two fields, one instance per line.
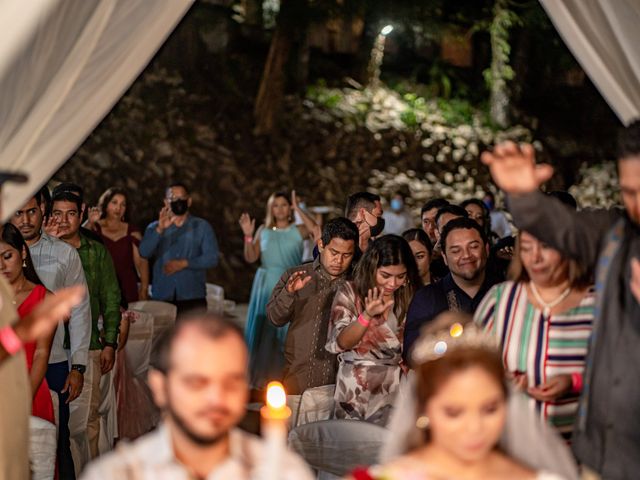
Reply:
x=459 y=399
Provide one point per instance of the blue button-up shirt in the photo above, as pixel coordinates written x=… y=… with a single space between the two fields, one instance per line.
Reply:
x=195 y=242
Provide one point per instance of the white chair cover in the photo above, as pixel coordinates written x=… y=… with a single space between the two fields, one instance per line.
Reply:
x=42 y=448
x=338 y=446
x=56 y=409
x=164 y=315
x=138 y=347
x=215 y=298
x=108 y=413
x=316 y=404
x=78 y=418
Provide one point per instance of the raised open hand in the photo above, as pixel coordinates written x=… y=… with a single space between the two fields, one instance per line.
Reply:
x=51 y=227
x=297 y=281
x=94 y=216
x=247 y=224
x=374 y=304
x=514 y=168
x=165 y=219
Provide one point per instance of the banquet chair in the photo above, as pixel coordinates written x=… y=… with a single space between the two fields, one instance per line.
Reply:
x=138 y=347
x=315 y=404
x=43 y=442
x=333 y=448
x=164 y=315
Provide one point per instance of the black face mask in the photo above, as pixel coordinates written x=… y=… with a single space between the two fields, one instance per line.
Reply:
x=377 y=228
x=179 y=207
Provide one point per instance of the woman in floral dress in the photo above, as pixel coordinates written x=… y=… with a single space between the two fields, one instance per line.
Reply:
x=366 y=328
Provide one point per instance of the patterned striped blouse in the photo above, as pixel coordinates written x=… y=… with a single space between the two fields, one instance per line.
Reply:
x=540 y=347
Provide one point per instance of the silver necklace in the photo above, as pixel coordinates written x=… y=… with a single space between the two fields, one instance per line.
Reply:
x=547 y=306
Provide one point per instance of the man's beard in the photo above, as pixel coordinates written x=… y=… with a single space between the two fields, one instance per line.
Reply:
x=200 y=440
x=34 y=235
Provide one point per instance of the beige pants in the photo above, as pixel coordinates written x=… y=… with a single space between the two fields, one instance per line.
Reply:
x=588 y=474
x=93 y=420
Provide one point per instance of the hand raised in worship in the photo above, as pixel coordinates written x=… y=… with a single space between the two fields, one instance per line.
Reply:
x=173 y=266
x=297 y=281
x=94 y=216
x=635 y=278
x=552 y=389
x=364 y=232
x=51 y=227
x=247 y=224
x=514 y=168
x=374 y=304
x=165 y=219
x=294 y=200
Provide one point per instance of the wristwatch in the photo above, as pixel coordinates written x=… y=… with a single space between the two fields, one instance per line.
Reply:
x=79 y=368
x=113 y=345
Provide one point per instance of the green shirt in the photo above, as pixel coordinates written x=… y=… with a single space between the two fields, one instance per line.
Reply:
x=104 y=292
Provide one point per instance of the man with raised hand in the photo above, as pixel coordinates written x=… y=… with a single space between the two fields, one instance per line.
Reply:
x=606 y=439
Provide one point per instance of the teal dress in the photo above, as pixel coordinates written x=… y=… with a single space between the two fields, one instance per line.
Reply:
x=279 y=251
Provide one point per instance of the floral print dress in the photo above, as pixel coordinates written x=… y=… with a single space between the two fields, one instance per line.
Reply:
x=369 y=374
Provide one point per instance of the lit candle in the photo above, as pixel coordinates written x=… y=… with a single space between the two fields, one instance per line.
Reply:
x=274 y=429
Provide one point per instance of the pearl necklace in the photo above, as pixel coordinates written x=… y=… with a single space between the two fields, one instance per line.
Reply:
x=546 y=307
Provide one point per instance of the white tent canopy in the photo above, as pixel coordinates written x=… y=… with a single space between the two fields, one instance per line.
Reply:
x=604 y=36
x=63 y=65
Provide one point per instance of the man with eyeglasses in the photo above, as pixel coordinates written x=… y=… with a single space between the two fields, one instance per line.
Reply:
x=183 y=247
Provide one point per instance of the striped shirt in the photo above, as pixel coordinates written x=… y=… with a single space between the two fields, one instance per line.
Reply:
x=538 y=346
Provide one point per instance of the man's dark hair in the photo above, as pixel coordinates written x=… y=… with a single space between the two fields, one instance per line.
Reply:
x=340 y=228
x=629 y=141
x=456 y=210
x=460 y=224
x=211 y=326
x=179 y=185
x=360 y=200
x=43 y=196
x=564 y=197
x=69 y=192
x=434 y=203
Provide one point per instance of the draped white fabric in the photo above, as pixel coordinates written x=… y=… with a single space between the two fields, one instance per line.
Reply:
x=605 y=38
x=63 y=65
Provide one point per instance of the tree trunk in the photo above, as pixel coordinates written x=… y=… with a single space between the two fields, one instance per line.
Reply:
x=272 y=85
x=500 y=70
x=271 y=89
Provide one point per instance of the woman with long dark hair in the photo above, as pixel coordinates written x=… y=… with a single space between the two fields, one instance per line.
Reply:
x=110 y=220
x=18 y=269
x=366 y=330
x=422 y=249
x=543 y=317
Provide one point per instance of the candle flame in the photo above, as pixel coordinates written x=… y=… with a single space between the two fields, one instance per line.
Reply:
x=276 y=396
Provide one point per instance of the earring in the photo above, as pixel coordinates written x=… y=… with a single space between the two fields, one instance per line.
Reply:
x=24 y=263
x=422 y=422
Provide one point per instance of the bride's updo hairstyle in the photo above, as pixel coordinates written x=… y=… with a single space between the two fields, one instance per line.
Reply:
x=450 y=344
